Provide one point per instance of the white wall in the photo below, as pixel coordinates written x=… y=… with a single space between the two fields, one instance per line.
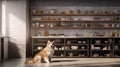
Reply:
x=14 y=26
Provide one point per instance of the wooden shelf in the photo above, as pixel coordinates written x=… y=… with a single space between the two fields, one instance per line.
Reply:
x=102 y=44
x=38 y=14
x=59 y=44
x=117 y=57
x=76 y=56
x=59 y=50
x=100 y=50
x=76 y=44
x=117 y=44
x=73 y=21
x=43 y=44
x=76 y=50
x=78 y=27
x=102 y=57
x=116 y=49
x=58 y=56
x=105 y=27
x=37 y=50
x=63 y=27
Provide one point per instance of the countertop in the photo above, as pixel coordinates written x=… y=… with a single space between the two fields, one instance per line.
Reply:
x=74 y=37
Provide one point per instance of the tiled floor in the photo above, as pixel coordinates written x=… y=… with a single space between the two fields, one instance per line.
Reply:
x=66 y=62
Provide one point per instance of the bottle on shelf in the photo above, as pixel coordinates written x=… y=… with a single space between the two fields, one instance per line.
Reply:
x=36 y=33
x=105 y=48
x=33 y=10
x=92 y=46
x=46 y=33
x=109 y=47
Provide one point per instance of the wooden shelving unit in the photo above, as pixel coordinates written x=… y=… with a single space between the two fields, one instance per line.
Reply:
x=102 y=47
x=82 y=47
x=116 y=47
x=73 y=46
x=71 y=20
x=62 y=49
x=65 y=50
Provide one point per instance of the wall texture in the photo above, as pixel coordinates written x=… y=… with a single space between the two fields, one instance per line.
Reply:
x=16 y=27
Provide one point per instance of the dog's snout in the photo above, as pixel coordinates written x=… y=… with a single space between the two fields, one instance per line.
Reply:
x=52 y=46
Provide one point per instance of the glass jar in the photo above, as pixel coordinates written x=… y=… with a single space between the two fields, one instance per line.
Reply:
x=46 y=33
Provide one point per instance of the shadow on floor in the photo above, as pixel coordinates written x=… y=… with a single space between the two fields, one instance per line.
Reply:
x=63 y=61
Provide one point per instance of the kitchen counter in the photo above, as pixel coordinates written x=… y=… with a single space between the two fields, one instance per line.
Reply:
x=74 y=37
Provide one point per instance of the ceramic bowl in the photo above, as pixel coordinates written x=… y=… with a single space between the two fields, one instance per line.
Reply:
x=74 y=47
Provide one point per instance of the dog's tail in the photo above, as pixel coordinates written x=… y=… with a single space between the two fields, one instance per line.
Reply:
x=29 y=62
x=35 y=60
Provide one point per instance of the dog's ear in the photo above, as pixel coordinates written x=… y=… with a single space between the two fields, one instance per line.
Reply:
x=48 y=42
x=53 y=42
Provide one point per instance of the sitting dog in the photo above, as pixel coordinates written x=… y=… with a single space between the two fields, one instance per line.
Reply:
x=44 y=55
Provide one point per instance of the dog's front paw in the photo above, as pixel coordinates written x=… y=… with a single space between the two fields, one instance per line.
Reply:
x=48 y=62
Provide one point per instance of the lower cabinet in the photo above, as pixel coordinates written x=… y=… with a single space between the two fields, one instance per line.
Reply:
x=102 y=47
x=80 y=47
x=76 y=47
x=3 y=49
x=116 y=47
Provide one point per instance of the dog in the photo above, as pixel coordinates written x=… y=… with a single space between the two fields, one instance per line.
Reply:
x=44 y=55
